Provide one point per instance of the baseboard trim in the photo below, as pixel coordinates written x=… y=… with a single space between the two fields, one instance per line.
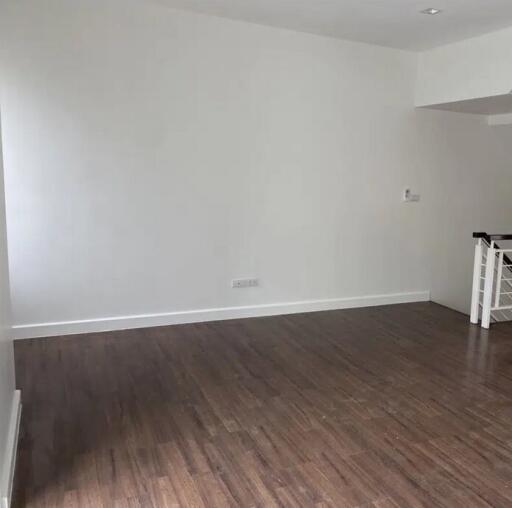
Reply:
x=11 y=449
x=196 y=316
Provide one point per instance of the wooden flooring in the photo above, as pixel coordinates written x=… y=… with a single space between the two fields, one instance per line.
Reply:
x=385 y=407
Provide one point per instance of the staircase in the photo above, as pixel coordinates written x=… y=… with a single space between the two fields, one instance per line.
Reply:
x=492 y=280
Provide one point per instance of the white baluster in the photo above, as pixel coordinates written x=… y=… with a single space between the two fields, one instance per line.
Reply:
x=489 y=276
x=477 y=273
x=499 y=276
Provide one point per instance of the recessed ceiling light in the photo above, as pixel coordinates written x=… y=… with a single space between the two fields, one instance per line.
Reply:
x=431 y=11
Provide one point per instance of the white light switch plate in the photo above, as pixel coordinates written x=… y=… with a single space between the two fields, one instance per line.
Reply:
x=409 y=197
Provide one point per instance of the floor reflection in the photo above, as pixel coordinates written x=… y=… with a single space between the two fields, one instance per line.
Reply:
x=479 y=355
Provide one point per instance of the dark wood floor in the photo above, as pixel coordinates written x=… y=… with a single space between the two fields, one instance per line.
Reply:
x=399 y=406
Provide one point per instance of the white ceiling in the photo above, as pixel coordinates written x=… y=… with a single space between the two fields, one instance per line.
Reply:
x=395 y=23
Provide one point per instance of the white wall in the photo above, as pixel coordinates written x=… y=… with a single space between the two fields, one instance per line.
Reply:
x=470 y=69
x=153 y=155
x=474 y=172
x=6 y=350
x=470 y=190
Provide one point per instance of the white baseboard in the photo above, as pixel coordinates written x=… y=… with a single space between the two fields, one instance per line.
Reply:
x=9 y=462
x=197 y=316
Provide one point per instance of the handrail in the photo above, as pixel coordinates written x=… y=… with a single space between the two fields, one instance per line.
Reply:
x=491 y=238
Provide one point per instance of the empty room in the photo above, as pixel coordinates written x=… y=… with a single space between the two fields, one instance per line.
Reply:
x=255 y=253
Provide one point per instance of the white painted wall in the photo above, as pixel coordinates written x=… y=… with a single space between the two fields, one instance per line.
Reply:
x=474 y=175
x=153 y=155
x=470 y=69
x=470 y=190
x=6 y=350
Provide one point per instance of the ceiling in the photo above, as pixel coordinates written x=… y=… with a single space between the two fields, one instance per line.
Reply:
x=394 y=23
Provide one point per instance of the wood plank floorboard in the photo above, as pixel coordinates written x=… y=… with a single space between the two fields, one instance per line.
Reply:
x=383 y=407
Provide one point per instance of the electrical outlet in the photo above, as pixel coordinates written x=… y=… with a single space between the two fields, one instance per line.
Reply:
x=244 y=283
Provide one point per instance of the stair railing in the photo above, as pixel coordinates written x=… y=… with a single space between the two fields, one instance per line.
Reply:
x=493 y=268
